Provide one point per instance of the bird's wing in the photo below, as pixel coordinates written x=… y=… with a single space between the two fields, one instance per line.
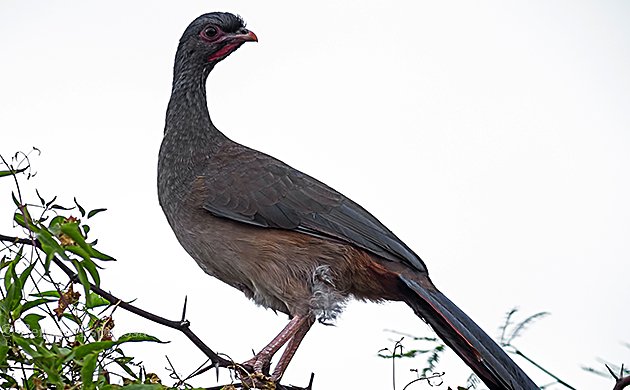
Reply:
x=251 y=187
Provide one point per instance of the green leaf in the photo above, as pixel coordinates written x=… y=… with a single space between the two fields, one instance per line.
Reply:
x=44 y=294
x=94 y=300
x=72 y=318
x=101 y=256
x=123 y=359
x=12 y=172
x=26 y=345
x=4 y=263
x=47 y=261
x=50 y=246
x=4 y=351
x=77 y=250
x=82 y=276
x=99 y=346
x=91 y=267
x=96 y=347
x=94 y=212
x=24 y=221
x=41 y=200
x=14 y=290
x=93 y=319
x=5 y=323
x=32 y=321
x=10 y=274
x=80 y=338
x=15 y=200
x=71 y=229
x=122 y=362
x=26 y=273
x=81 y=209
x=54 y=226
x=87 y=371
x=59 y=207
x=144 y=387
x=10 y=383
x=51 y=201
x=13 y=298
x=134 y=337
x=31 y=304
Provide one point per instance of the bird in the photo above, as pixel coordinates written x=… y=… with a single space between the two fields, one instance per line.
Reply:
x=286 y=240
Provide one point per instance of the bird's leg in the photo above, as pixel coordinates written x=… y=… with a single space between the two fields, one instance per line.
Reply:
x=262 y=358
x=292 y=347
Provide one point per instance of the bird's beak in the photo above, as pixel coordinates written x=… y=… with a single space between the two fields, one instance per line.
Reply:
x=232 y=42
x=249 y=36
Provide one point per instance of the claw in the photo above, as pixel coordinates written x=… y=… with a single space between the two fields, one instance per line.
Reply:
x=259 y=364
x=293 y=333
x=258 y=380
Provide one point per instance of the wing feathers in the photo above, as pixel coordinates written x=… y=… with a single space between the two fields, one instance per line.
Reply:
x=248 y=186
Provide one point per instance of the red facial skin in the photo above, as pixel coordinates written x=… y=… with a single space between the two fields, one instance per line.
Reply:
x=232 y=41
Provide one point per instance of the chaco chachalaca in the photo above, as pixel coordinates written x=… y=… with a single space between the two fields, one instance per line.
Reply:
x=286 y=240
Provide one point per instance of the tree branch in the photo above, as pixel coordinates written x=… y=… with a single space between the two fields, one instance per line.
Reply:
x=183 y=325
x=622 y=383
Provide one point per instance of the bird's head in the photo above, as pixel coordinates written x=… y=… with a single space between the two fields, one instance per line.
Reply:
x=212 y=37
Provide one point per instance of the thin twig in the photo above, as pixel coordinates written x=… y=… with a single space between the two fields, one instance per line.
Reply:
x=560 y=381
x=425 y=378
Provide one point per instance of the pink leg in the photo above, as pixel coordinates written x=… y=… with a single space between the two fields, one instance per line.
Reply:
x=263 y=358
x=292 y=347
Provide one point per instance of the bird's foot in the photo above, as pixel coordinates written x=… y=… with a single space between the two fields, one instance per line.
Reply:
x=254 y=373
x=258 y=380
x=258 y=364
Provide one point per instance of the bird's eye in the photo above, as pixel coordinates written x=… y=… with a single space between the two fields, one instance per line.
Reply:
x=210 y=32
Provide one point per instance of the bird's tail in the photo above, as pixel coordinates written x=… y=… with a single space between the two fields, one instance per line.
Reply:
x=473 y=345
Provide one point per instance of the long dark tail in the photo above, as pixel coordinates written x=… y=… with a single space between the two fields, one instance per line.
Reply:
x=473 y=345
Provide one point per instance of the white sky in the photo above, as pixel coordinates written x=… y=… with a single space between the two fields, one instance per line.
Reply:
x=493 y=138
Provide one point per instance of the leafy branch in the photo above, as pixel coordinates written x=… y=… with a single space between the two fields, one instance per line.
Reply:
x=81 y=353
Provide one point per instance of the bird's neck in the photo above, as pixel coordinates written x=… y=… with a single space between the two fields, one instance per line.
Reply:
x=187 y=119
x=190 y=138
